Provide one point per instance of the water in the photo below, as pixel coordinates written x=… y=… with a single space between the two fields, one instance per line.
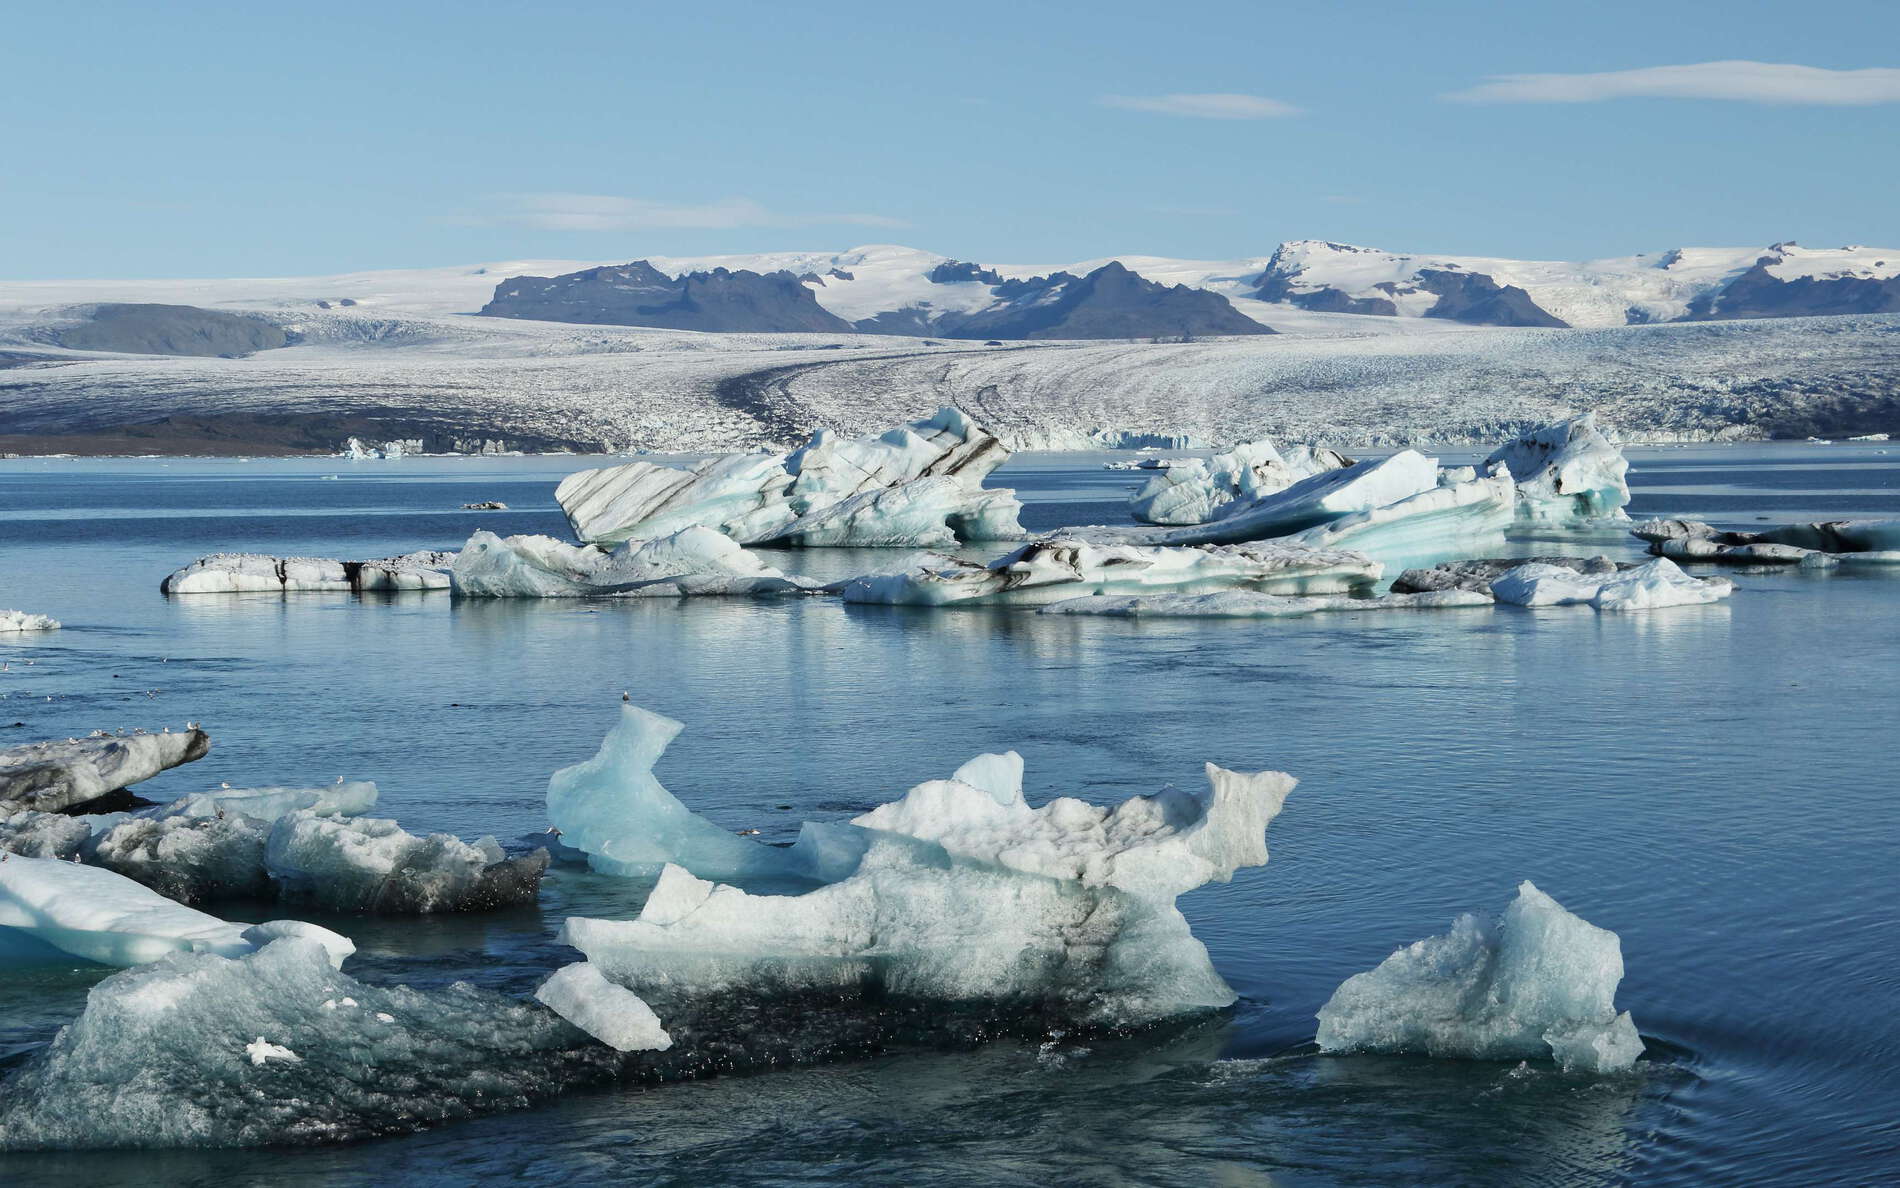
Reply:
x=1714 y=783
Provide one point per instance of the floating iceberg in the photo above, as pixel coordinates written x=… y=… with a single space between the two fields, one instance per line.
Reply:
x=52 y=776
x=1537 y=982
x=1244 y=604
x=1834 y=542
x=12 y=621
x=691 y=561
x=1567 y=471
x=234 y=573
x=755 y=498
x=1059 y=569
x=162 y=1057
x=958 y=892
x=50 y=909
x=1653 y=584
x=1473 y=513
x=611 y=1014
x=345 y=798
x=372 y=864
x=1478 y=574
x=1193 y=491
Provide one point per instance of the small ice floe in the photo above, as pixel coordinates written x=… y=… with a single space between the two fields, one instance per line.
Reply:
x=53 y=776
x=611 y=1014
x=12 y=621
x=1536 y=982
x=1652 y=585
x=237 y=573
x=1817 y=545
x=486 y=505
x=690 y=562
x=260 y=1050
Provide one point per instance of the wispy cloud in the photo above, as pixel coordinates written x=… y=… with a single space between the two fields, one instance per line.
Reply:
x=1205 y=107
x=1753 y=82
x=606 y=212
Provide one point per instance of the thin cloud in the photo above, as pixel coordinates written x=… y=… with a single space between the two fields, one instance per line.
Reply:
x=1751 y=82
x=1204 y=107
x=606 y=212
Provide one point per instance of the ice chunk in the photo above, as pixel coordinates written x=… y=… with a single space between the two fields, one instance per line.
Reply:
x=927 y=513
x=51 y=776
x=754 y=498
x=611 y=1014
x=1478 y=574
x=958 y=892
x=1567 y=471
x=1830 y=542
x=1653 y=584
x=43 y=835
x=1059 y=569
x=690 y=561
x=345 y=798
x=191 y=859
x=161 y=1057
x=370 y=864
x=235 y=573
x=1193 y=492
x=1537 y=982
x=1448 y=516
x=613 y=808
x=1244 y=604
x=12 y=621
x=95 y=915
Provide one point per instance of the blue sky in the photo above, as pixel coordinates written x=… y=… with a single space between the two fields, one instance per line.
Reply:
x=197 y=139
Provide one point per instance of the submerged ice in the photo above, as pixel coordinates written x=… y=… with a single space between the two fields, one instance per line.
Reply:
x=1536 y=982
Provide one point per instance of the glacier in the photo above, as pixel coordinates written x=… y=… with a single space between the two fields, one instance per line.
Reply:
x=783 y=498
x=1057 y=569
x=1538 y=982
x=12 y=621
x=1193 y=491
x=57 y=775
x=52 y=910
x=690 y=561
x=236 y=573
x=1649 y=586
x=1567 y=471
x=957 y=892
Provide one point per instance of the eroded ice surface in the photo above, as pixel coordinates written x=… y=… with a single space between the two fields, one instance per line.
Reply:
x=237 y=573
x=1058 y=569
x=12 y=622
x=690 y=561
x=1194 y=491
x=1243 y=604
x=1537 y=982
x=611 y=1014
x=51 y=776
x=52 y=909
x=755 y=498
x=373 y=864
x=1649 y=586
x=1454 y=516
x=1835 y=542
x=1567 y=471
x=958 y=892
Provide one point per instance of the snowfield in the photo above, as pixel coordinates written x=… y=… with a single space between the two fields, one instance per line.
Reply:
x=410 y=357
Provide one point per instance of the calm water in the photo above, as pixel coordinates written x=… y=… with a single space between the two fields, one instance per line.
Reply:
x=1714 y=783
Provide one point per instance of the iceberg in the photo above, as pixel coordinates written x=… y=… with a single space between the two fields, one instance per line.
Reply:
x=1058 y=569
x=1478 y=574
x=755 y=498
x=1833 y=542
x=372 y=864
x=345 y=798
x=1538 y=982
x=1648 y=586
x=1472 y=513
x=611 y=1014
x=235 y=573
x=163 y=1056
x=19 y=622
x=58 y=775
x=1193 y=491
x=1566 y=471
x=1244 y=604
x=52 y=910
x=956 y=893
x=691 y=561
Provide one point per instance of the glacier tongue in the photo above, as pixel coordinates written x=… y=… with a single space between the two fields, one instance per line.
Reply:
x=784 y=498
x=1537 y=982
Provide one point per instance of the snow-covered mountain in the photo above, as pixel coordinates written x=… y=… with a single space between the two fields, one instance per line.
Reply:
x=1684 y=284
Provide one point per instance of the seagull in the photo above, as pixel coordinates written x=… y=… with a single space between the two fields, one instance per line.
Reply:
x=625 y=696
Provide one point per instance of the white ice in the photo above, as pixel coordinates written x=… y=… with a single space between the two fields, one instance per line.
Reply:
x=755 y=498
x=611 y=1014
x=236 y=573
x=1537 y=982
x=20 y=621
x=345 y=798
x=690 y=561
x=50 y=908
x=1058 y=569
x=1567 y=471
x=373 y=864
x=1463 y=516
x=1244 y=604
x=1193 y=491
x=1652 y=585
x=51 y=776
